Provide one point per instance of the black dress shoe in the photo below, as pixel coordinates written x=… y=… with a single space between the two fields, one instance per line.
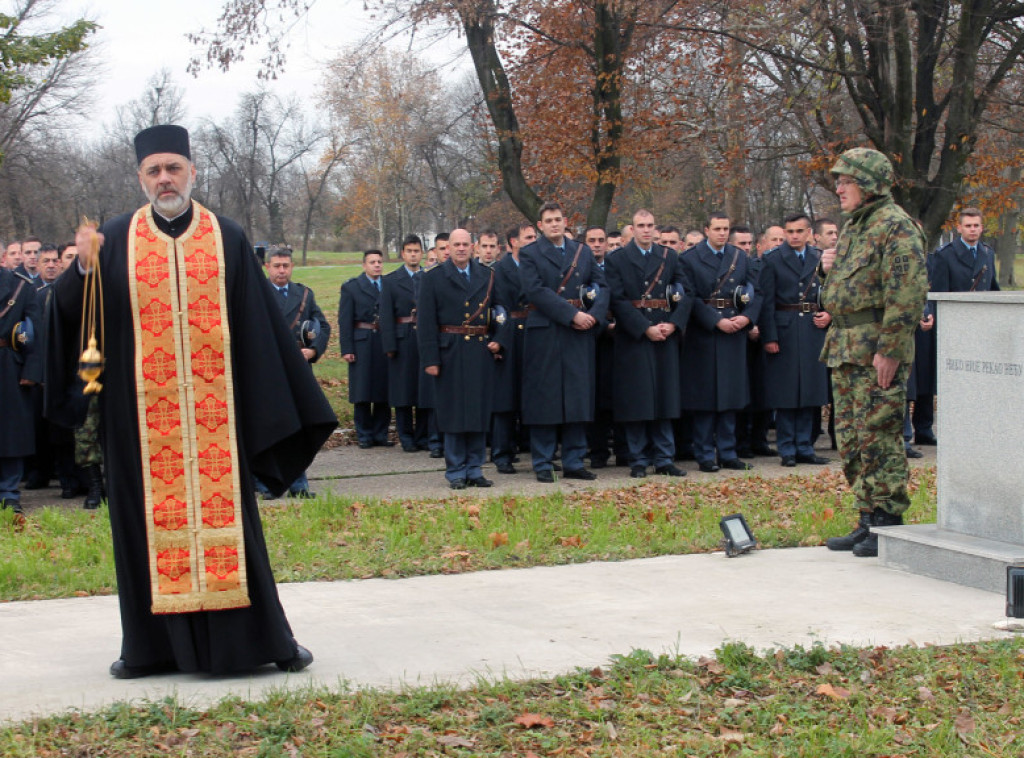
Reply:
x=365 y=445
x=579 y=473
x=669 y=470
x=437 y=453
x=299 y=661
x=505 y=468
x=925 y=439
x=736 y=464
x=121 y=670
x=410 y=449
x=457 y=484
x=709 y=468
x=479 y=481
x=383 y=443
x=545 y=477
x=788 y=461
x=598 y=463
x=911 y=453
x=815 y=460
x=638 y=472
x=744 y=452
x=621 y=462
x=765 y=451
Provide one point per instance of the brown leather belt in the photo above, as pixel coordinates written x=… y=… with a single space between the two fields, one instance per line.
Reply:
x=719 y=302
x=799 y=307
x=649 y=303
x=367 y=325
x=575 y=303
x=405 y=320
x=469 y=331
x=518 y=314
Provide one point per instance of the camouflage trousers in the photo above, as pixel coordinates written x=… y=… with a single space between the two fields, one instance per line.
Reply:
x=87 y=436
x=869 y=431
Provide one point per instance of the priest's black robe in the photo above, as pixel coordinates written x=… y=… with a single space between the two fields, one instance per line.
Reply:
x=282 y=419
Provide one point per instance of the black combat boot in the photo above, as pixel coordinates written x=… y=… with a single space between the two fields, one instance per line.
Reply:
x=94 y=494
x=858 y=535
x=868 y=548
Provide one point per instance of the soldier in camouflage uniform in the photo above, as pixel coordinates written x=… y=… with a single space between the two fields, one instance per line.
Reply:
x=875 y=287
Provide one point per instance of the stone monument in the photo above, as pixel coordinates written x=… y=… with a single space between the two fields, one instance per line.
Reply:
x=980 y=456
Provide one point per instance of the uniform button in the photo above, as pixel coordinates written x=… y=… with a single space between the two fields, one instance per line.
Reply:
x=466 y=316
x=467 y=303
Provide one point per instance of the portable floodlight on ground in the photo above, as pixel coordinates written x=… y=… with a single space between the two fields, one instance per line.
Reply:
x=1014 y=601
x=738 y=537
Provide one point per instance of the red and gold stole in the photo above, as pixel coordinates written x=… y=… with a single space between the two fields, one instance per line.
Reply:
x=190 y=473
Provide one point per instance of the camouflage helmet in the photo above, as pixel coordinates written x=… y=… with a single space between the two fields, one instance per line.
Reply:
x=869 y=168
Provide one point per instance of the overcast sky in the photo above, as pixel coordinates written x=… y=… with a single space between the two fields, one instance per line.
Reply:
x=139 y=38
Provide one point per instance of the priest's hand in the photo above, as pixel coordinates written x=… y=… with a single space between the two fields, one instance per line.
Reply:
x=308 y=353
x=771 y=347
x=432 y=370
x=349 y=357
x=87 y=242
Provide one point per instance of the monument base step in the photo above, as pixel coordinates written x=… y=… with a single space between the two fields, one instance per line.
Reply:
x=951 y=556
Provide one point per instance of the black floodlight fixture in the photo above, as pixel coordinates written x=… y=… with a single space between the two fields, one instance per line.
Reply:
x=738 y=537
x=1015 y=592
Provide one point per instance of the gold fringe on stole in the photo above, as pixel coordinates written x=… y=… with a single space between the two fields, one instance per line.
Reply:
x=183 y=374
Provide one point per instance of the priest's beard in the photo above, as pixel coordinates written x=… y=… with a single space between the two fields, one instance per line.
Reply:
x=172 y=206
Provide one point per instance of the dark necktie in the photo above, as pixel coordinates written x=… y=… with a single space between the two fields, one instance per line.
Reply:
x=283 y=291
x=416 y=285
x=376 y=283
x=800 y=255
x=974 y=252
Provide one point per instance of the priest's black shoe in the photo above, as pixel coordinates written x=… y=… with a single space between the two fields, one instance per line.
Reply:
x=638 y=472
x=437 y=453
x=121 y=670
x=299 y=661
x=579 y=473
x=669 y=470
x=789 y=461
x=505 y=468
x=410 y=449
x=709 y=468
x=816 y=460
x=925 y=439
x=911 y=453
x=478 y=481
x=546 y=477
x=736 y=464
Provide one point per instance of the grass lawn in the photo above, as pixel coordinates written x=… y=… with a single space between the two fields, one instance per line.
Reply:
x=962 y=700
x=67 y=552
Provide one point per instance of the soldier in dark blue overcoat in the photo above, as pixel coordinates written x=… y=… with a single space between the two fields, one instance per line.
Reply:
x=651 y=312
x=714 y=357
x=793 y=333
x=361 y=348
x=457 y=348
x=398 y=315
x=558 y=352
x=506 y=424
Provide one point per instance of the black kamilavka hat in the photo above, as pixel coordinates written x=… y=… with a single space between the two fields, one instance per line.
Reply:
x=163 y=138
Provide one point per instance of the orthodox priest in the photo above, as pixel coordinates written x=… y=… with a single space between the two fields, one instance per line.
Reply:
x=186 y=422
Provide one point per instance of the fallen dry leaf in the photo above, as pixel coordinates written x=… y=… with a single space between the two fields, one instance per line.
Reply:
x=454 y=740
x=498 y=538
x=964 y=724
x=925 y=695
x=731 y=736
x=836 y=693
x=533 y=720
x=574 y=541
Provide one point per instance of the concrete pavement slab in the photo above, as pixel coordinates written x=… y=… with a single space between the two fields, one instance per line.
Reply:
x=519 y=623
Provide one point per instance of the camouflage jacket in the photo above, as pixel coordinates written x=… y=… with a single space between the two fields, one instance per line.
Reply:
x=877 y=287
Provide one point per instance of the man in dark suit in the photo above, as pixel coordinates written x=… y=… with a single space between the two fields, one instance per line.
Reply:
x=17 y=438
x=559 y=350
x=714 y=357
x=645 y=280
x=506 y=426
x=964 y=265
x=793 y=333
x=299 y=308
x=456 y=348
x=361 y=348
x=398 y=316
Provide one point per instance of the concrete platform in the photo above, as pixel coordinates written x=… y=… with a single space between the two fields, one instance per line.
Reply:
x=516 y=623
x=951 y=556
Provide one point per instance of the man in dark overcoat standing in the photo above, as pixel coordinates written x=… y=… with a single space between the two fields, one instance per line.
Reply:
x=559 y=349
x=645 y=282
x=398 y=315
x=17 y=436
x=361 y=348
x=714 y=356
x=793 y=333
x=457 y=349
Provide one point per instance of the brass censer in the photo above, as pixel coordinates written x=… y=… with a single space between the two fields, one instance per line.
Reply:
x=90 y=362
